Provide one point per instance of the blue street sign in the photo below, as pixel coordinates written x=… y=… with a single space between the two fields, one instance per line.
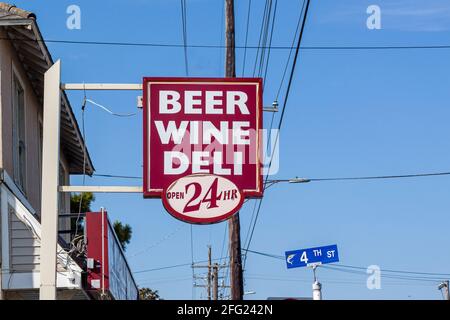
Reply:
x=312 y=256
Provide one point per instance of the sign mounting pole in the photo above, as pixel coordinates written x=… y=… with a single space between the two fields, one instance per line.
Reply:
x=50 y=175
x=313 y=258
x=236 y=277
x=317 y=286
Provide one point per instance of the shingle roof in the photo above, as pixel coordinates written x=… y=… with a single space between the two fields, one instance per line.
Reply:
x=11 y=11
x=26 y=38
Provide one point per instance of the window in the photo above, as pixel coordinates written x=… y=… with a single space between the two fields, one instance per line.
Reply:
x=64 y=222
x=41 y=137
x=19 y=146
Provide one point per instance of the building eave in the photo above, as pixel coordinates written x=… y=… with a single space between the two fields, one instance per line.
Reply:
x=33 y=53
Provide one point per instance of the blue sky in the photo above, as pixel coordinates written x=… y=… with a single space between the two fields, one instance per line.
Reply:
x=350 y=113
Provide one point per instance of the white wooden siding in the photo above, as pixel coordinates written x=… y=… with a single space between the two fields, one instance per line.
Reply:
x=20 y=244
x=24 y=244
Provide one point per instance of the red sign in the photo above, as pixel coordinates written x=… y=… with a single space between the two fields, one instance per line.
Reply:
x=109 y=271
x=207 y=126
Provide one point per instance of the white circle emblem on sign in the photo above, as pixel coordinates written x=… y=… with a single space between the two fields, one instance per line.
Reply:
x=202 y=198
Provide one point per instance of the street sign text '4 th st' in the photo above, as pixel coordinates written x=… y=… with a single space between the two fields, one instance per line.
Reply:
x=202 y=145
x=312 y=256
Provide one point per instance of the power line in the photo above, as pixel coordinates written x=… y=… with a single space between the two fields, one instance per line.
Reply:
x=283 y=110
x=280 y=123
x=385 y=177
x=246 y=35
x=116 y=176
x=184 y=24
x=213 y=46
x=273 y=114
x=290 y=51
x=397 y=271
x=223 y=243
x=262 y=34
x=166 y=237
x=266 y=22
x=153 y=282
x=186 y=68
x=264 y=43
x=175 y=266
x=251 y=223
x=420 y=275
x=221 y=28
x=416 y=175
x=344 y=281
x=389 y=276
x=273 y=181
x=270 y=39
x=164 y=268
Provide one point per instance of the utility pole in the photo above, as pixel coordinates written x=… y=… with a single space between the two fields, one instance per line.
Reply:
x=212 y=279
x=230 y=66
x=215 y=278
x=236 y=277
x=209 y=273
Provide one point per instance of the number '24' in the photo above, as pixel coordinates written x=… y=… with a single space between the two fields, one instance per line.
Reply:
x=210 y=197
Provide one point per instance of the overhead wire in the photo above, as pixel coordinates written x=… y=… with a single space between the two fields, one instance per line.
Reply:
x=270 y=39
x=184 y=26
x=251 y=222
x=213 y=46
x=109 y=111
x=157 y=243
x=269 y=133
x=173 y=266
x=221 y=28
x=269 y=47
x=261 y=36
x=382 y=177
x=268 y=35
x=264 y=41
x=280 y=123
x=116 y=176
x=291 y=50
x=266 y=24
x=186 y=69
x=342 y=282
x=153 y=282
x=391 y=274
x=397 y=271
x=246 y=36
